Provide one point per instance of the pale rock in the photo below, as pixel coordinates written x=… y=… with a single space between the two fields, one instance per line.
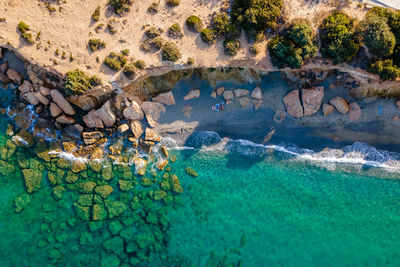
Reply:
x=327 y=109
x=312 y=99
x=65 y=120
x=257 y=103
x=133 y=112
x=340 y=104
x=92 y=120
x=42 y=99
x=195 y=93
x=153 y=111
x=54 y=110
x=293 y=104
x=44 y=90
x=14 y=76
x=25 y=87
x=165 y=98
x=256 y=93
x=213 y=94
x=61 y=102
x=136 y=128
x=106 y=114
x=240 y=92
x=4 y=67
x=151 y=135
x=31 y=98
x=220 y=90
x=355 y=112
x=123 y=128
x=228 y=95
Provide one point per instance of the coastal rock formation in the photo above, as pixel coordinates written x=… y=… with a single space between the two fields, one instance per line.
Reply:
x=195 y=93
x=42 y=99
x=220 y=91
x=106 y=114
x=165 y=98
x=65 y=120
x=244 y=101
x=312 y=99
x=61 y=102
x=293 y=104
x=23 y=139
x=256 y=93
x=92 y=120
x=133 y=111
x=30 y=98
x=123 y=128
x=355 y=112
x=327 y=109
x=136 y=128
x=340 y=104
x=151 y=135
x=240 y=92
x=33 y=179
x=153 y=111
x=90 y=138
x=14 y=76
x=54 y=110
x=25 y=87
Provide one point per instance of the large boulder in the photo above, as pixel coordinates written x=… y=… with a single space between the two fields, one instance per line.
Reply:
x=240 y=92
x=151 y=135
x=90 y=138
x=14 y=76
x=25 y=87
x=355 y=111
x=293 y=104
x=133 y=112
x=340 y=104
x=312 y=99
x=92 y=120
x=256 y=93
x=153 y=110
x=136 y=128
x=54 y=110
x=195 y=93
x=31 y=98
x=165 y=98
x=327 y=109
x=106 y=114
x=42 y=99
x=61 y=102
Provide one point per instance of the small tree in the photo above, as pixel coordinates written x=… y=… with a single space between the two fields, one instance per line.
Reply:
x=385 y=69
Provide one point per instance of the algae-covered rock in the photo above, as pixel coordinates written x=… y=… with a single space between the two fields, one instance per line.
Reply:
x=159 y=194
x=145 y=239
x=168 y=200
x=58 y=192
x=71 y=221
x=71 y=177
x=114 y=245
x=55 y=177
x=109 y=260
x=11 y=148
x=63 y=163
x=85 y=200
x=107 y=173
x=33 y=179
x=151 y=217
x=78 y=166
x=86 y=238
x=135 y=203
x=99 y=212
x=103 y=190
x=3 y=153
x=140 y=166
x=165 y=185
x=82 y=212
x=114 y=208
x=62 y=237
x=125 y=185
x=115 y=227
x=98 y=200
x=146 y=182
x=191 y=172
x=131 y=247
x=6 y=169
x=21 y=202
x=176 y=186
x=95 y=165
x=23 y=139
x=95 y=225
x=86 y=187
x=54 y=254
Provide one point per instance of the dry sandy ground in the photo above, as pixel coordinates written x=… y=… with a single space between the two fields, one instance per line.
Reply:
x=70 y=27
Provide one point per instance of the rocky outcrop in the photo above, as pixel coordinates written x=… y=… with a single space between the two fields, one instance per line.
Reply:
x=61 y=102
x=133 y=111
x=340 y=104
x=195 y=93
x=65 y=120
x=106 y=114
x=293 y=104
x=33 y=179
x=312 y=100
x=165 y=98
x=92 y=120
x=14 y=76
x=153 y=111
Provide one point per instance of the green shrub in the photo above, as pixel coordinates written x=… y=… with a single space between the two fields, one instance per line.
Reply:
x=338 y=40
x=125 y=52
x=130 y=70
x=194 y=23
x=140 y=64
x=190 y=61
x=385 y=69
x=95 y=80
x=153 y=8
x=221 y=24
x=120 y=6
x=377 y=35
x=256 y=16
x=157 y=43
x=208 y=36
x=96 y=44
x=173 y=3
x=292 y=47
x=153 y=32
x=76 y=82
x=170 y=52
x=175 y=31
x=28 y=37
x=231 y=47
x=115 y=61
x=24 y=29
x=111 y=25
x=96 y=14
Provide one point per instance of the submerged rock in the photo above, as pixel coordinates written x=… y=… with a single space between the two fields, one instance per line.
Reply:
x=103 y=190
x=195 y=93
x=82 y=212
x=114 y=208
x=191 y=172
x=228 y=95
x=240 y=92
x=86 y=187
x=33 y=179
x=145 y=239
x=202 y=138
x=256 y=93
x=153 y=110
x=23 y=139
x=176 y=186
x=99 y=212
x=21 y=202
